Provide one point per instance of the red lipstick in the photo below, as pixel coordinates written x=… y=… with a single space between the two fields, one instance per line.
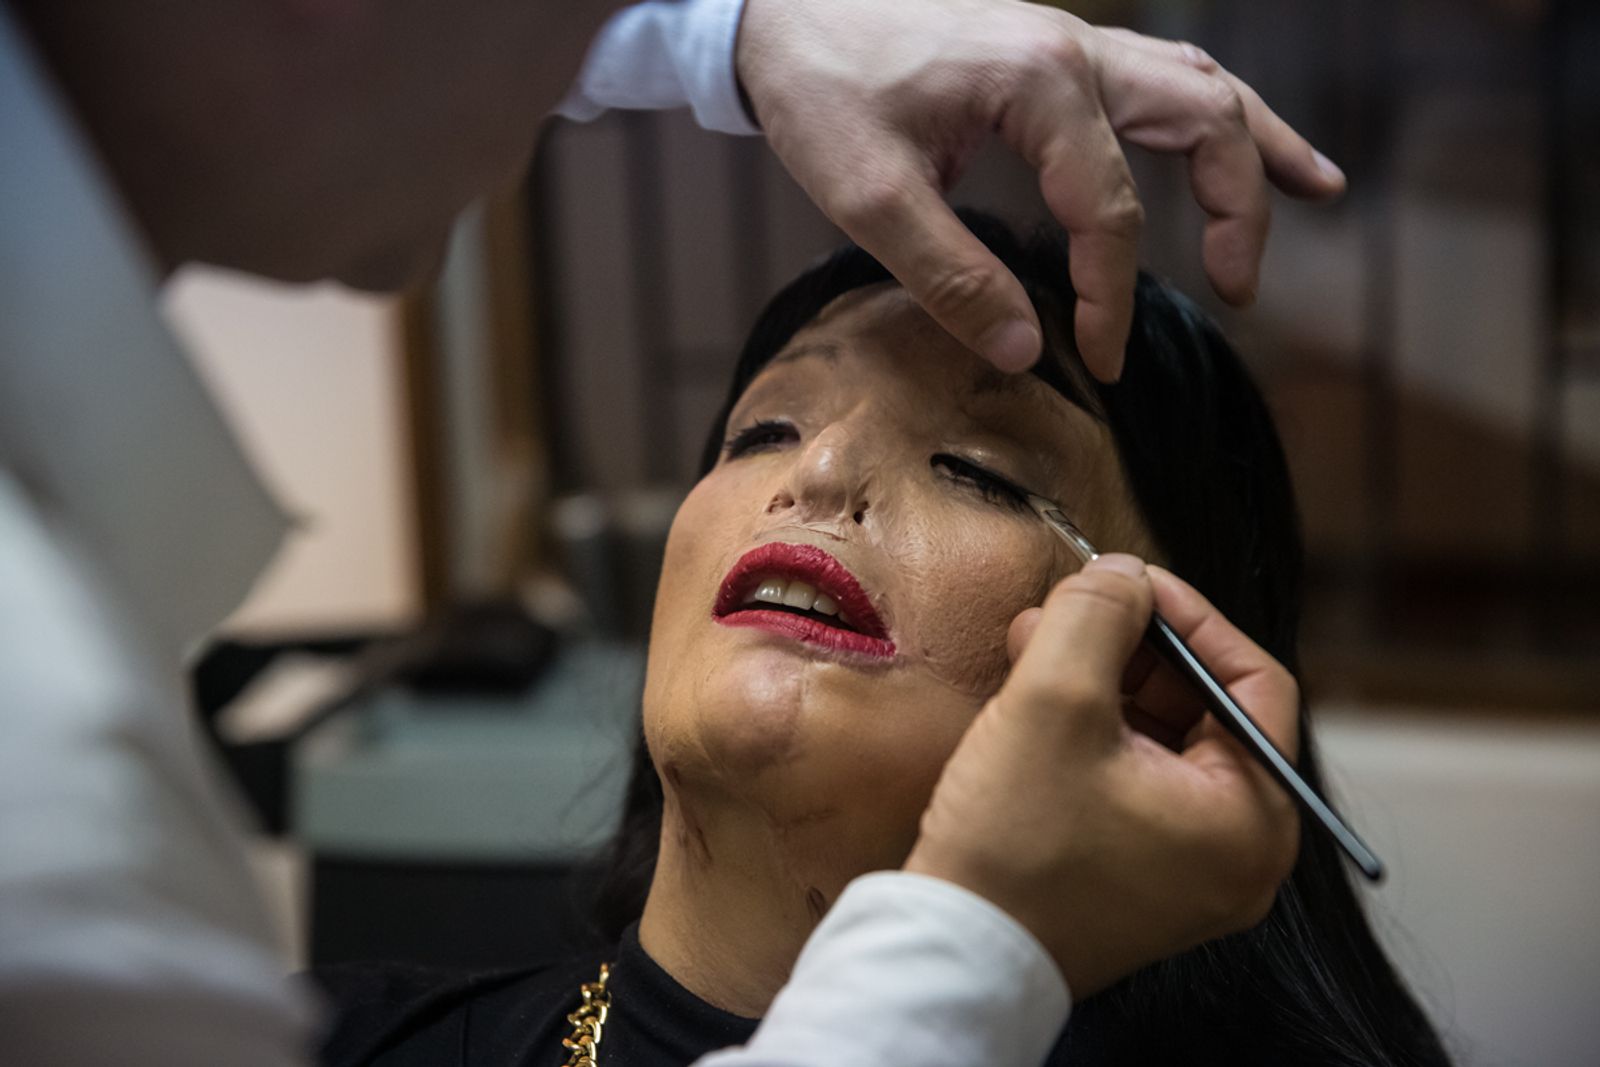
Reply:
x=857 y=627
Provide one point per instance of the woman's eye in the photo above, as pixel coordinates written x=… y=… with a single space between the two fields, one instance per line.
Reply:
x=989 y=485
x=758 y=437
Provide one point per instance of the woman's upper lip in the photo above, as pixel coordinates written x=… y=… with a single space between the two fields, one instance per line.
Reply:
x=810 y=564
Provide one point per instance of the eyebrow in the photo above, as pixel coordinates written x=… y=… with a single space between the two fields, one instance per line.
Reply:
x=993 y=382
x=990 y=381
x=827 y=350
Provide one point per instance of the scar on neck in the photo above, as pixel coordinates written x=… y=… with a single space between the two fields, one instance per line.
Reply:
x=815 y=903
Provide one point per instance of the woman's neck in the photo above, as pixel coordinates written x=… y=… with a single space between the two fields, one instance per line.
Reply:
x=732 y=902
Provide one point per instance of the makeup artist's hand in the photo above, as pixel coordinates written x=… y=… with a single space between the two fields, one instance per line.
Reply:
x=875 y=108
x=1061 y=807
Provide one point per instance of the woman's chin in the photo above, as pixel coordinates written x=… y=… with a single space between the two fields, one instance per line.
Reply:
x=761 y=707
x=753 y=709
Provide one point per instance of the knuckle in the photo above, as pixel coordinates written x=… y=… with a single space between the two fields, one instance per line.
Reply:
x=1198 y=57
x=1223 y=103
x=1077 y=691
x=1059 y=690
x=1068 y=704
x=868 y=201
x=1269 y=878
x=1284 y=678
x=1219 y=912
x=1247 y=893
x=1261 y=874
x=1060 y=49
x=959 y=288
x=1120 y=597
x=1285 y=689
x=1112 y=588
x=1256 y=910
x=1122 y=215
x=1246 y=873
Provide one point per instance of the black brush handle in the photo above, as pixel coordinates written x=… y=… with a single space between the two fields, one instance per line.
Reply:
x=1175 y=651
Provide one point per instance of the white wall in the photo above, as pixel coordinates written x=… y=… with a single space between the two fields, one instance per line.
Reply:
x=310 y=379
x=1491 y=828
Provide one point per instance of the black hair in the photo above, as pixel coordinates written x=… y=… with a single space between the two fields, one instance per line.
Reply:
x=1310 y=984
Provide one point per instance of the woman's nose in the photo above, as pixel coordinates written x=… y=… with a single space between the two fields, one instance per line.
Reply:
x=829 y=479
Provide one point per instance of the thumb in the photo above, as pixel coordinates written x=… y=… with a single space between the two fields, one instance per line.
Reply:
x=906 y=225
x=1021 y=632
x=1090 y=626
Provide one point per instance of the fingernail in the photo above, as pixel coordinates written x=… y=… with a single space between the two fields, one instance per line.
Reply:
x=1120 y=562
x=1011 y=345
x=1328 y=166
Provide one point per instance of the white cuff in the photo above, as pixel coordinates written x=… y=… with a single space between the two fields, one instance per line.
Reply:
x=665 y=54
x=911 y=969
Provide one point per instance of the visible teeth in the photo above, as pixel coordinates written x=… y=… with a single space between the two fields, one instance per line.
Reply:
x=793 y=593
x=800 y=595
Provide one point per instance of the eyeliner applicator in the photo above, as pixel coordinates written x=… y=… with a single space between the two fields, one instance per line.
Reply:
x=1165 y=640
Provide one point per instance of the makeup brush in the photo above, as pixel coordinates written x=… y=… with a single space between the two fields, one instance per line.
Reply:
x=1165 y=640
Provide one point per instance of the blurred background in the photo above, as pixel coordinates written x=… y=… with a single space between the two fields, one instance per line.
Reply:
x=431 y=698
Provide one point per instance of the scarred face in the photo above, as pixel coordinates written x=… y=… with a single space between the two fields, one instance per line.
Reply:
x=836 y=592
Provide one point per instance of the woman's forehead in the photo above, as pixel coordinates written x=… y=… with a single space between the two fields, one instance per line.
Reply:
x=879 y=332
x=883 y=312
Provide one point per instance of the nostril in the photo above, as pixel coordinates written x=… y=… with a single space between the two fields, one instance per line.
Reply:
x=861 y=513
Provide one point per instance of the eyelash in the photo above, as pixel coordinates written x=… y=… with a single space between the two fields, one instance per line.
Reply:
x=757 y=437
x=765 y=434
x=993 y=488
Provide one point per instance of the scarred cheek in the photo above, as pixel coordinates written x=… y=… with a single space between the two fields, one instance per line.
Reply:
x=966 y=651
x=961 y=619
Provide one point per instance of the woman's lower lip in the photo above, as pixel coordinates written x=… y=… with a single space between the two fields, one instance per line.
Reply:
x=810 y=631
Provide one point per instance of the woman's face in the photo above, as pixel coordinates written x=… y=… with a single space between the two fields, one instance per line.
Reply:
x=860 y=467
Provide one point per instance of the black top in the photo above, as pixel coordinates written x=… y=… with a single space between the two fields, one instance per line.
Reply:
x=395 y=1015
x=400 y=1015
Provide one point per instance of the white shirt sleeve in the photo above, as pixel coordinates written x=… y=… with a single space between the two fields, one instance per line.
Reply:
x=130 y=929
x=907 y=969
x=665 y=54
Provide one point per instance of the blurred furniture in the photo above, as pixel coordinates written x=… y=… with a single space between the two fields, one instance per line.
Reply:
x=454 y=828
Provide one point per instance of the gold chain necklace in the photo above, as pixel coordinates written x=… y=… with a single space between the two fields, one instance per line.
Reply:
x=588 y=1022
